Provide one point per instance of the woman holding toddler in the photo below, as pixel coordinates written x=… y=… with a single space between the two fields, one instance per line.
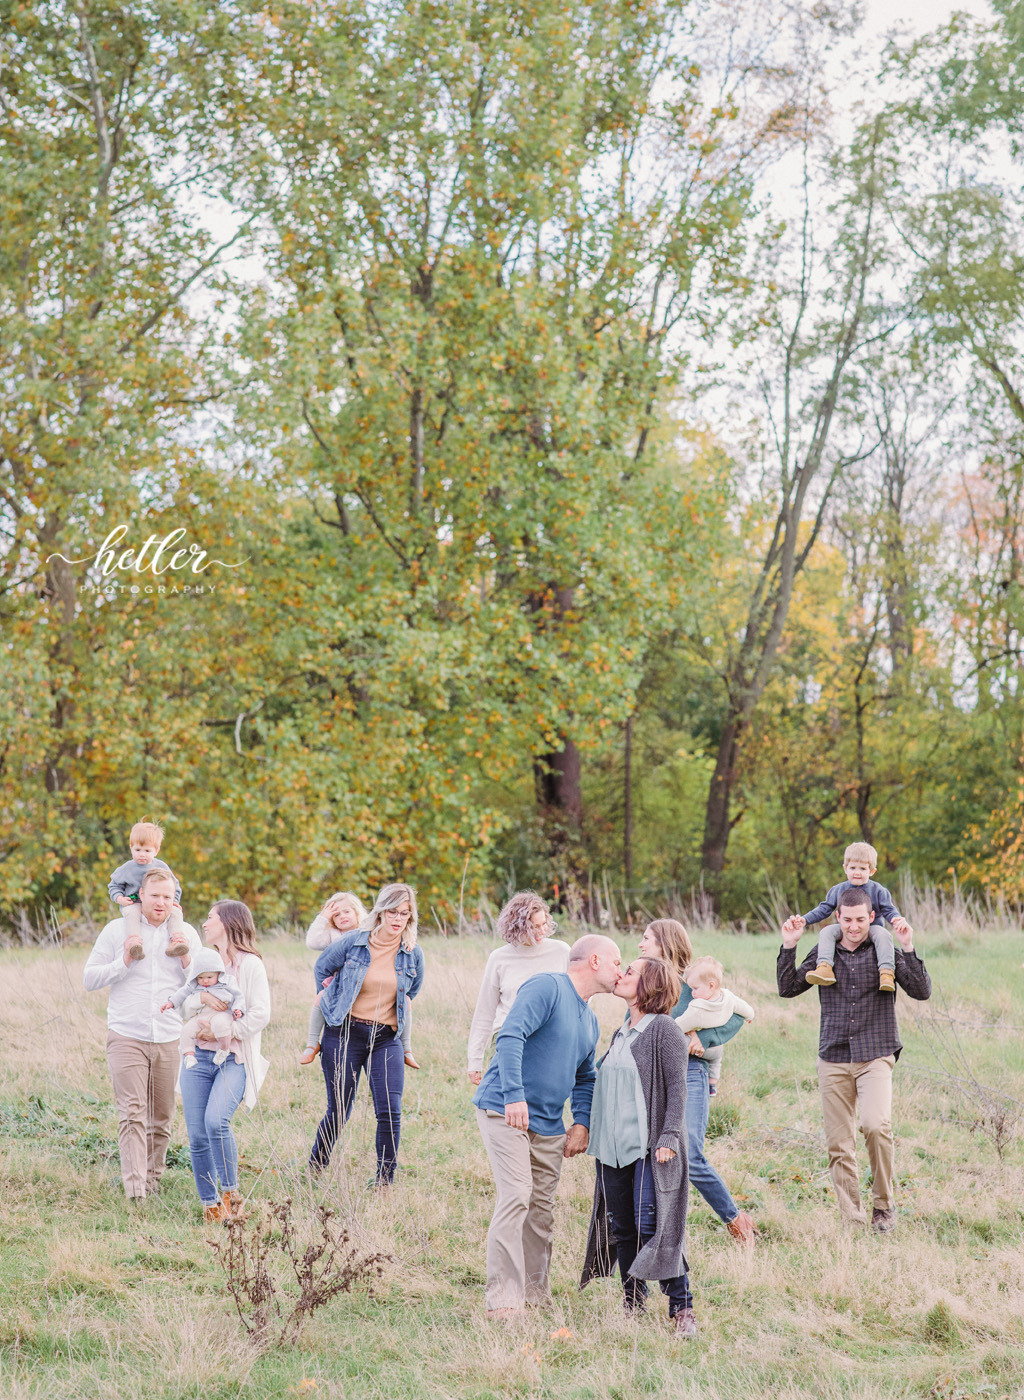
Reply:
x=212 y=1091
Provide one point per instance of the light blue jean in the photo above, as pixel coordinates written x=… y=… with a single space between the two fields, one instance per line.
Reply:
x=210 y=1094
x=702 y=1174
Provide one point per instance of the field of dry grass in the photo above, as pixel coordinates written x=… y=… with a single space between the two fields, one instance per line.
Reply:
x=99 y=1302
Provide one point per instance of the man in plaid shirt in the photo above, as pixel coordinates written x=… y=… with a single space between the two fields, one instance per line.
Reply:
x=857 y=1048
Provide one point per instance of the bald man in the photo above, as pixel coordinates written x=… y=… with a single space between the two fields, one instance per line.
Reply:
x=544 y=1055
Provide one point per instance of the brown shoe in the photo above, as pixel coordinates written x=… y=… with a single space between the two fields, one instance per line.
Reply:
x=212 y=1214
x=135 y=949
x=822 y=976
x=884 y=1221
x=309 y=1054
x=178 y=946
x=886 y=981
x=742 y=1228
x=684 y=1324
x=411 y=1060
x=234 y=1206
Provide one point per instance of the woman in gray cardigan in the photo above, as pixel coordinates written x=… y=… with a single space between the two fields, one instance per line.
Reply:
x=638 y=1138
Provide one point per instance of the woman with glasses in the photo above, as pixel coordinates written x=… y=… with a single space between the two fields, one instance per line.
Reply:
x=526 y=925
x=365 y=981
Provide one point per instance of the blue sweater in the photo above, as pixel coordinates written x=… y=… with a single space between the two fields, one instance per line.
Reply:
x=545 y=1052
x=881 y=901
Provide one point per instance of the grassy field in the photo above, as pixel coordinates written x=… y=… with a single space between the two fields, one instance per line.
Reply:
x=98 y=1301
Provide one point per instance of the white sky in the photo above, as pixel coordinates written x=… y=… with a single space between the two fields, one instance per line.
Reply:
x=918 y=15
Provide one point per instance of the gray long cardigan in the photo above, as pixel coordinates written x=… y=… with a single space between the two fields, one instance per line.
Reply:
x=661 y=1058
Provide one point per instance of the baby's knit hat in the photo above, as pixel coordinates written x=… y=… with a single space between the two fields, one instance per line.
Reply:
x=206 y=960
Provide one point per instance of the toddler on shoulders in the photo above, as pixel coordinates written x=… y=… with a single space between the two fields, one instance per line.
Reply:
x=860 y=861
x=145 y=840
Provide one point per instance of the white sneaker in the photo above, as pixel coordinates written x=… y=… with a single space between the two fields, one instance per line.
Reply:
x=188 y=1062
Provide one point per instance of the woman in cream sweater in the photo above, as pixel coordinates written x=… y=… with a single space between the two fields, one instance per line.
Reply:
x=211 y=1093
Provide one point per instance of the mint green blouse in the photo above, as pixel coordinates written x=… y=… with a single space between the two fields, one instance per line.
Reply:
x=618 y=1115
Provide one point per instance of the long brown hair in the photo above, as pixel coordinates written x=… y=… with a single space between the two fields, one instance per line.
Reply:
x=674 y=942
x=238 y=925
x=657 y=987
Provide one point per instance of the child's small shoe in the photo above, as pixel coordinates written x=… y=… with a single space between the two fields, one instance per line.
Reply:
x=411 y=1060
x=712 y=1089
x=309 y=1054
x=178 y=946
x=221 y=1056
x=135 y=949
x=822 y=976
x=188 y=1062
x=886 y=980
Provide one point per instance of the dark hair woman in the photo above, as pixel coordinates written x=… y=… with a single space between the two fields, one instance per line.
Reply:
x=668 y=939
x=211 y=1092
x=638 y=1138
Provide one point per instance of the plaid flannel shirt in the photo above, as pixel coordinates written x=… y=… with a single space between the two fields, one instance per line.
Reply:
x=858 y=1022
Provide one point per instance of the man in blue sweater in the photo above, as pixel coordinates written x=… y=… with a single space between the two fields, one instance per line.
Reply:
x=545 y=1054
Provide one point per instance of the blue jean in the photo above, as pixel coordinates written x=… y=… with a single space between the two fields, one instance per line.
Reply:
x=632 y=1217
x=345 y=1051
x=210 y=1094
x=702 y=1173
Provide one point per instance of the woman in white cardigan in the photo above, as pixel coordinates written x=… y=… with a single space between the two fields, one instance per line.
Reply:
x=211 y=1093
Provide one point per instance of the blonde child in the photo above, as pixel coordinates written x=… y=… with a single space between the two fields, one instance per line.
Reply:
x=342 y=913
x=860 y=861
x=144 y=841
x=208 y=972
x=711 y=1006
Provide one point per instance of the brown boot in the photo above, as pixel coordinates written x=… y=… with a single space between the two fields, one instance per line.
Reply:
x=684 y=1324
x=822 y=976
x=886 y=981
x=234 y=1206
x=135 y=949
x=178 y=946
x=212 y=1214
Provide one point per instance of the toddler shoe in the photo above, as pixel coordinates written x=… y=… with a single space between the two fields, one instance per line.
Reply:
x=822 y=976
x=188 y=1062
x=221 y=1056
x=309 y=1054
x=886 y=981
x=411 y=1060
x=178 y=946
x=712 y=1089
x=135 y=950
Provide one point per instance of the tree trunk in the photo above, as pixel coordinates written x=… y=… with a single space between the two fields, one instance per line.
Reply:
x=627 y=803
x=717 y=824
x=558 y=786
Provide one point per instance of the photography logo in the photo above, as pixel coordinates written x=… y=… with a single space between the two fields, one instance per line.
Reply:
x=165 y=565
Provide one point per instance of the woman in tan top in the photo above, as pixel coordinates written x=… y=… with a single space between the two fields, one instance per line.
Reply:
x=375 y=970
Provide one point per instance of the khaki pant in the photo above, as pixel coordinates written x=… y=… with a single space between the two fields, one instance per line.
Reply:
x=866 y=1085
x=526 y=1169
x=143 y=1076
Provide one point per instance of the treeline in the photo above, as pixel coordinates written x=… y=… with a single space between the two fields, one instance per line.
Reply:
x=622 y=454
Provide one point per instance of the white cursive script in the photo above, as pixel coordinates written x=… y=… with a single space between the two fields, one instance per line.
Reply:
x=108 y=560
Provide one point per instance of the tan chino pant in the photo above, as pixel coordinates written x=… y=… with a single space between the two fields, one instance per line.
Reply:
x=867 y=1086
x=526 y=1169
x=143 y=1076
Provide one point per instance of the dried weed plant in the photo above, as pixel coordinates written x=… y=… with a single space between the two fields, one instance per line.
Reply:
x=323 y=1263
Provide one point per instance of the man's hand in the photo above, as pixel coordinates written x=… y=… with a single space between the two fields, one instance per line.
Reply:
x=905 y=934
x=576 y=1140
x=208 y=999
x=791 y=931
x=517 y=1115
x=475 y=1075
x=664 y=1154
x=695 y=1047
x=130 y=943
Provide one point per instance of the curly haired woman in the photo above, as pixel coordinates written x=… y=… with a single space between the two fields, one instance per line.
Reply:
x=526 y=925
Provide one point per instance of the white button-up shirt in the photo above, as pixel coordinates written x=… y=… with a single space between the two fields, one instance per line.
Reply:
x=139 y=989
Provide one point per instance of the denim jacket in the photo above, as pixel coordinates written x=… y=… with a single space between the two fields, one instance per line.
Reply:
x=349 y=957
